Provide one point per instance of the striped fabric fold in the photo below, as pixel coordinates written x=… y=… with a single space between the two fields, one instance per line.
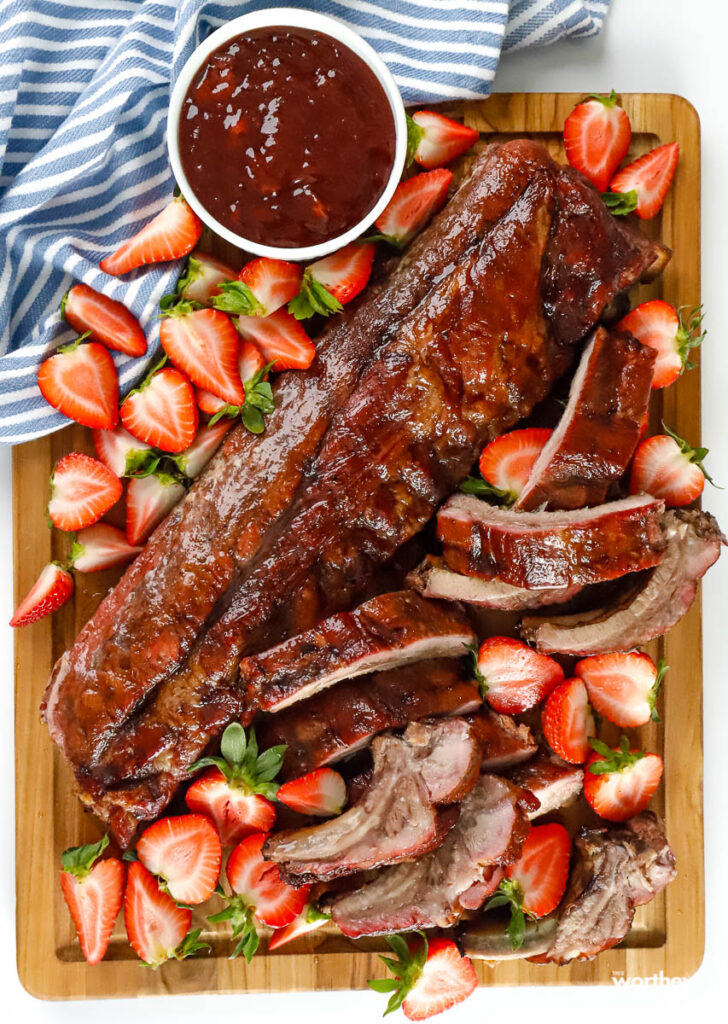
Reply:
x=84 y=88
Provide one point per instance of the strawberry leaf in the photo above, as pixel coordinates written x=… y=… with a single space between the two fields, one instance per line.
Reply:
x=313 y=298
x=475 y=668
x=237 y=299
x=655 y=691
x=614 y=760
x=621 y=203
x=190 y=945
x=78 y=860
x=407 y=968
x=477 y=485
x=414 y=137
x=241 y=764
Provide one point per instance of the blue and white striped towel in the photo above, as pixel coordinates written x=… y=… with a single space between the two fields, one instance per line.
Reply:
x=84 y=86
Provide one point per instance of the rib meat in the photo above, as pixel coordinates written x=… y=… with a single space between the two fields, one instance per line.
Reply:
x=596 y=437
x=551 y=549
x=337 y=722
x=553 y=783
x=503 y=743
x=693 y=544
x=449 y=349
x=433 y=763
x=386 y=632
x=433 y=579
x=426 y=893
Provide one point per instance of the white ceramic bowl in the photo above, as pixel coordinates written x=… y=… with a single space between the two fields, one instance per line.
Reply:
x=287 y=17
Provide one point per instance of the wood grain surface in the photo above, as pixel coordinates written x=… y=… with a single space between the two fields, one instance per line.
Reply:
x=667 y=935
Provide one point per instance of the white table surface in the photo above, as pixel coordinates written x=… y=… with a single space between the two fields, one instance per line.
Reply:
x=651 y=46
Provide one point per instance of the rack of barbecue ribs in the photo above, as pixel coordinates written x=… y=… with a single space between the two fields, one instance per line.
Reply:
x=455 y=343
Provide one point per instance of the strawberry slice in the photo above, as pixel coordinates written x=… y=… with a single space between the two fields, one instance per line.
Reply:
x=162 y=411
x=309 y=920
x=193 y=460
x=281 y=340
x=201 y=280
x=506 y=463
x=620 y=782
x=536 y=882
x=263 y=286
x=321 y=793
x=429 y=976
x=434 y=140
x=81 y=382
x=93 y=891
x=82 y=490
x=170 y=235
x=642 y=185
x=258 y=894
x=567 y=721
x=623 y=687
x=185 y=853
x=414 y=202
x=237 y=791
x=330 y=283
x=660 y=326
x=101 y=546
x=52 y=589
x=597 y=134
x=108 y=322
x=250 y=364
x=157 y=928
x=124 y=454
x=148 y=500
x=203 y=343
x=512 y=676
x=665 y=466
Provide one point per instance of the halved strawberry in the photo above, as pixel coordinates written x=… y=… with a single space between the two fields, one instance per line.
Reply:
x=567 y=721
x=148 y=500
x=620 y=782
x=660 y=326
x=512 y=676
x=157 y=928
x=169 y=236
x=201 y=280
x=185 y=852
x=642 y=186
x=623 y=687
x=281 y=340
x=506 y=463
x=101 y=546
x=193 y=460
x=536 y=882
x=203 y=343
x=258 y=893
x=597 y=134
x=250 y=364
x=124 y=454
x=263 y=286
x=414 y=202
x=330 y=283
x=309 y=920
x=81 y=382
x=429 y=976
x=321 y=792
x=238 y=789
x=93 y=891
x=665 y=466
x=82 y=490
x=109 y=322
x=434 y=140
x=52 y=589
x=162 y=411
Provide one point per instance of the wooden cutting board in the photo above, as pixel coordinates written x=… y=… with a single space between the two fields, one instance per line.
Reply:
x=667 y=935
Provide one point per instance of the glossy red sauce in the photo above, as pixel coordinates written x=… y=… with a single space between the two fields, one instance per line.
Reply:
x=286 y=137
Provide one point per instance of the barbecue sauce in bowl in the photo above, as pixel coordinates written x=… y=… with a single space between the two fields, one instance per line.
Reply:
x=286 y=137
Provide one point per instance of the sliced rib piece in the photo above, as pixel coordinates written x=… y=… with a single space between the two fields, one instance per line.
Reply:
x=551 y=549
x=693 y=544
x=386 y=632
x=433 y=763
x=433 y=579
x=618 y=869
x=486 y=937
x=553 y=783
x=337 y=722
x=503 y=743
x=595 y=439
x=426 y=893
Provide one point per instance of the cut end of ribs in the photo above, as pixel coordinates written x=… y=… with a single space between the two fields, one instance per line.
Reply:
x=433 y=763
x=387 y=632
x=503 y=742
x=693 y=543
x=595 y=439
x=553 y=783
x=551 y=549
x=486 y=938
